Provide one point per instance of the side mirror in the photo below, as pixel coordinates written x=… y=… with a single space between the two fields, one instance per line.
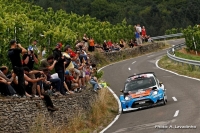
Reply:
x=121 y=91
x=154 y=88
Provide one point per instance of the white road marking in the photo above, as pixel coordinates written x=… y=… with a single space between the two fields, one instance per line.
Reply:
x=174 y=98
x=150 y=55
x=176 y=113
x=133 y=62
x=129 y=68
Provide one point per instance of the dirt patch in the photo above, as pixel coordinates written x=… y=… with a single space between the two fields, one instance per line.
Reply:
x=191 y=52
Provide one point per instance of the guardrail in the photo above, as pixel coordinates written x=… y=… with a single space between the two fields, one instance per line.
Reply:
x=171 y=55
x=167 y=36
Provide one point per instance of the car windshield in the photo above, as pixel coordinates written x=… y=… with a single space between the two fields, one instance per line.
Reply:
x=140 y=83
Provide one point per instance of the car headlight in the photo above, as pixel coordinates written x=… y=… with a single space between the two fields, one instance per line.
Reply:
x=127 y=98
x=155 y=93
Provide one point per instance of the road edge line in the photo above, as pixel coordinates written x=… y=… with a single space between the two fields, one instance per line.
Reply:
x=174 y=72
x=118 y=101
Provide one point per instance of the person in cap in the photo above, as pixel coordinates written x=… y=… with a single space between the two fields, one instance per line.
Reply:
x=15 y=58
x=59 y=66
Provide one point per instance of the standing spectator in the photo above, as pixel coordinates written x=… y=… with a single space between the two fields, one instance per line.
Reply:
x=85 y=39
x=91 y=45
x=34 y=45
x=14 y=56
x=139 y=29
x=143 y=31
x=29 y=59
x=59 y=66
x=137 y=37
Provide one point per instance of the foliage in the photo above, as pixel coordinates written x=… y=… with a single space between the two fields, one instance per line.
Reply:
x=26 y=22
x=156 y=15
x=192 y=38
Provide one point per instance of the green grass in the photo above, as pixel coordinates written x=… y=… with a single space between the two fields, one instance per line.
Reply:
x=180 y=68
x=187 y=56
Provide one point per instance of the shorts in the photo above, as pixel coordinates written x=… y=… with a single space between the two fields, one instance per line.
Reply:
x=86 y=44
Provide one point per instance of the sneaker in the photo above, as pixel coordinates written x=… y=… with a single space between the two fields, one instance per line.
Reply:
x=75 y=90
x=95 y=91
x=36 y=96
x=79 y=89
x=67 y=93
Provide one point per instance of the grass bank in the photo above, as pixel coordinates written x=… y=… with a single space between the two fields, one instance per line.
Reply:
x=103 y=110
x=187 y=55
x=179 y=68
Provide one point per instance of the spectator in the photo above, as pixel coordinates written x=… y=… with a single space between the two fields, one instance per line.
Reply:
x=59 y=66
x=14 y=56
x=47 y=65
x=91 y=45
x=30 y=81
x=74 y=78
x=105 y=46
x=137 y=37
x=66 y=54
x=34 y=45
x=139 y=29
x=131 y=43
x=44 y=96
x=143 y=31
x=110 y=45
x=5 y=83
x=29 y=59
x=121 y=43
x=85 y=39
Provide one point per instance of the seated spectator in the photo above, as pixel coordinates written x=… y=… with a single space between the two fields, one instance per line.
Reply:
x=5 y=83
x=105 y=46
x=121 y=43
x=44 y=96
x=47 y=65
x=131 y=43
x=72 y=80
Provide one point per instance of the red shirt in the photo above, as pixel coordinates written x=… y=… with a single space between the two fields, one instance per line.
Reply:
x=109 y=44
x=143 y=32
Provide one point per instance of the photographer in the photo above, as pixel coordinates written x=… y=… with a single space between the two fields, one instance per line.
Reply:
x=29 y=59
x=15 y=58
x=59 y=66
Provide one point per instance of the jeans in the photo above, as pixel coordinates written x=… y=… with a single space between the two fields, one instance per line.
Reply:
x=94 y=84
x=56 y=82
x=62 y=79
x=19 y=71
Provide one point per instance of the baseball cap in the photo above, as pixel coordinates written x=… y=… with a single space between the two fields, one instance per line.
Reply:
x=67 y=72
x=58 y=45
x=30 y=48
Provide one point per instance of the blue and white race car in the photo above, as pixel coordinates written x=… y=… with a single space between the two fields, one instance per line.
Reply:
x=142 y=91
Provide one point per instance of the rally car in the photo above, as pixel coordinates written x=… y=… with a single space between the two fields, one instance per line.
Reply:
x=142 y=91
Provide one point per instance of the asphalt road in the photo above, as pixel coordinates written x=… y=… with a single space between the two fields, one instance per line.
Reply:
x=183 y=107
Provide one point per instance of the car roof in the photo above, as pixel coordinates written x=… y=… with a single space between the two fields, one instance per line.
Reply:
x=148 y=73
x=140 y=75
